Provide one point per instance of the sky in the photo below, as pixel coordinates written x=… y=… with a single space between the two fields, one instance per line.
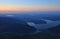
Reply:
x=29 y=5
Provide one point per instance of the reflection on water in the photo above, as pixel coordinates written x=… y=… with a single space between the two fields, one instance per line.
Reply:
x=40 y=27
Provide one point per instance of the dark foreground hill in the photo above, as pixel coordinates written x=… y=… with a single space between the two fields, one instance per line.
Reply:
x=52 y=33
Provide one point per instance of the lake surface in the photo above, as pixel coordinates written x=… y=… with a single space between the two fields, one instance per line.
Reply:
x=41 y=27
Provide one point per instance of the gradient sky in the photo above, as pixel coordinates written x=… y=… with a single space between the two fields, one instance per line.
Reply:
x=29 y=5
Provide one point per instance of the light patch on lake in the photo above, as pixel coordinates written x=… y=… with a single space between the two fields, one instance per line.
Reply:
x=49 y=24
x=9 y=15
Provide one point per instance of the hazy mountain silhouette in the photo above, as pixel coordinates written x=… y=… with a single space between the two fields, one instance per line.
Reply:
x=14 y=27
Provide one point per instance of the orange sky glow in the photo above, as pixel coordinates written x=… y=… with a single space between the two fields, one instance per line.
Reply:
x=29 y=5
x=27 y=9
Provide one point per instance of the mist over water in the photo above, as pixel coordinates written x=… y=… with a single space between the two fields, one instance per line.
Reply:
x=39 y=20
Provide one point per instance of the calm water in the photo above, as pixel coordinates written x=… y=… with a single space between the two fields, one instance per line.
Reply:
x=41 y=27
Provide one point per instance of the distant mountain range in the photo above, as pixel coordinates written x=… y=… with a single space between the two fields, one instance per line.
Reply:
x=15 y=26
